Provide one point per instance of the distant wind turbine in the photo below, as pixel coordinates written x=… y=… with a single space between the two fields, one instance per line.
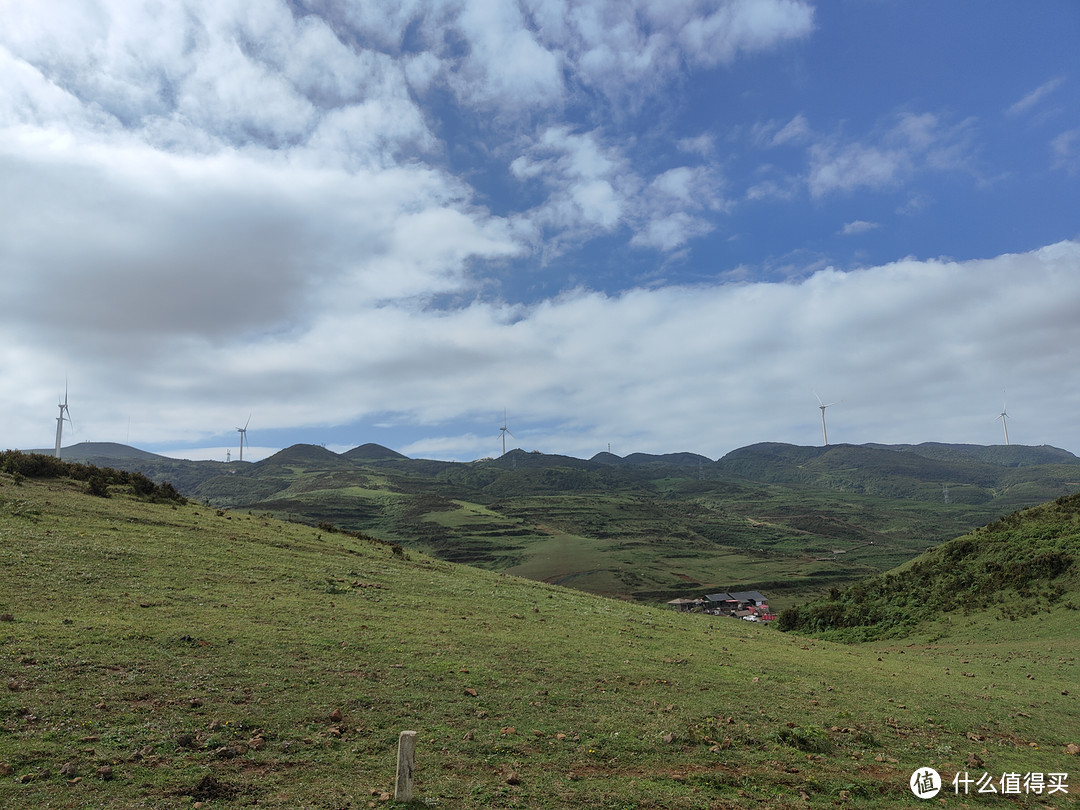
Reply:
x=1004 y=417
x=243 y=436
x=823 y=406
x=61 y=418
x=504 y=430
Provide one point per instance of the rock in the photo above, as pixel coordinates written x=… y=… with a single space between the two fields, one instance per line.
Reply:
x=1072 y=748
x=470 y=691
x=69 y=770
x=257 y=743
x=6 y=769
x=512 y=778
x=335 y=716
x=195 y=703
x=385 y=797
x=507 y=730
x=668 y=737
x=468 y=735
x=975 y=761
x=186 y=740
x=6 y=617
x=105 y=772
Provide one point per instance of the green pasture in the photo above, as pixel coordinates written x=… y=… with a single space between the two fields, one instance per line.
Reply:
x=158 y=656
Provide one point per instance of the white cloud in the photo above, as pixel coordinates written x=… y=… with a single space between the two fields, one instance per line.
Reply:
x=794 y=131
x=1035 y=97
x=933 y=341
x=911 y=144
x=858 y=226
x=1066 y=151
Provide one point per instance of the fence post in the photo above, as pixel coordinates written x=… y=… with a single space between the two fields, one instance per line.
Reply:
x=406 y=760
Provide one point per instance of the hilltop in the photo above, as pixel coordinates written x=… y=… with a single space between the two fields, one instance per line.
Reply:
x=794 y=521
x=156 y=654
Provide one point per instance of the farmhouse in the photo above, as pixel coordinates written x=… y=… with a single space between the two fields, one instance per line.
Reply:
x=749 y=605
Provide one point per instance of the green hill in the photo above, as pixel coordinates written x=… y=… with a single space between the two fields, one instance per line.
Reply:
x=796 y=521
x=1020 y=566
x=155 y=655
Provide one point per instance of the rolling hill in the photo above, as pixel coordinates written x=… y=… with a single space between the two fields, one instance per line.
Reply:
x=796 y=521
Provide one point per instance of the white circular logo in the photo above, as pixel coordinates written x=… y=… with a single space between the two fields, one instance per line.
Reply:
x=925 y=783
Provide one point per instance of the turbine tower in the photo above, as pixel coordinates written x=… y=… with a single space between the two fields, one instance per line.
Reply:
x=504 y=430
x=243 y=436
x=1004 y=417
x=61 y=418
x=823 y=406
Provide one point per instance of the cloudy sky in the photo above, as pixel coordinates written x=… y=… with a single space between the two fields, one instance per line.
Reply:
x=654 y=225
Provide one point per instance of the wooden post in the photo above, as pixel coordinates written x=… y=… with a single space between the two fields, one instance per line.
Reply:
x=406 y=760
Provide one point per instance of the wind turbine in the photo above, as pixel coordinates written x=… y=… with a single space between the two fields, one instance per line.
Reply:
x=823 y=406
x=243 y=436
x=504 y=430
x=60 y=419
x=1004 y=419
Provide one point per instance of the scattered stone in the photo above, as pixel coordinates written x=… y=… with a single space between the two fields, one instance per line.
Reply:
x=26 y=778
x=975 y=761
x=105 y=772
x=668 y=737
x=507 y=730
x=69 y=770
x=468 y=735
x=75 y=781
x=228 y=751
x=257 y=743
x=186 y=740
x=384 y=797
x=573 y=777
x=6 y=769
x=512 y=778
x=560 y=736
x=334 y=731
x=6 y=617
x=195 y=703
x=101 y=706
x=16 y=686
x=1072 y=748
x=470 y=691
x=335 y=716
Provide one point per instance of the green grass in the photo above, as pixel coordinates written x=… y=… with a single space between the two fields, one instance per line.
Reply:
x=152 y=638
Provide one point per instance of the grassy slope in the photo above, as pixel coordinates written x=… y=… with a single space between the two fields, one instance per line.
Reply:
x=152 y=638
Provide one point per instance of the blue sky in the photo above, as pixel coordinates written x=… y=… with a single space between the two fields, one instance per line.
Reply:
x=655 y=226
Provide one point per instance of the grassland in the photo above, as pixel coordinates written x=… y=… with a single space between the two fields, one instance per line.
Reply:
x=160 y=655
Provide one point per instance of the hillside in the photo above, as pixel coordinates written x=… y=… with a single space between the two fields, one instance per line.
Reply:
x=793 y=520
x=1018 y=567
x=157 y=654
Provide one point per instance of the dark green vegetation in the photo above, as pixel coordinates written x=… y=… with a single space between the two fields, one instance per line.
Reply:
x=1021 y=565
x=154 y=655
x=790 y=521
